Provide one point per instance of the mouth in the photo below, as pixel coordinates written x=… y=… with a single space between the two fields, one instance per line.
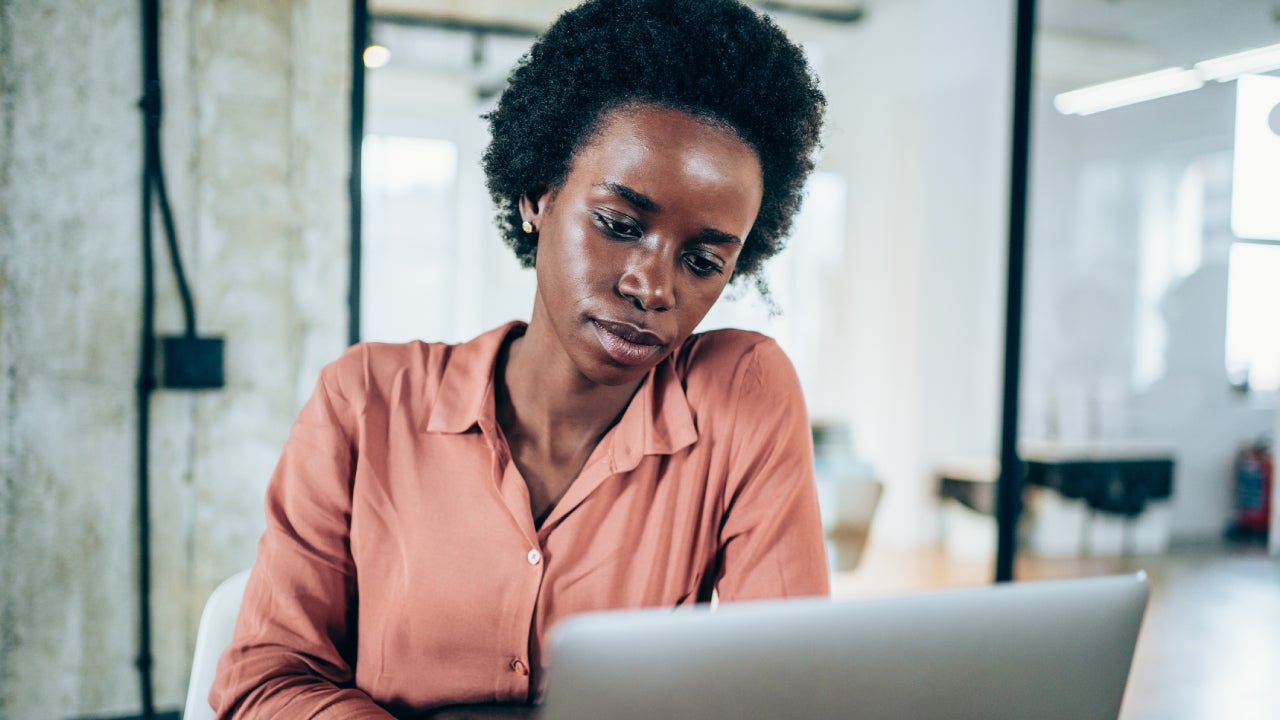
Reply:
x=627 y=344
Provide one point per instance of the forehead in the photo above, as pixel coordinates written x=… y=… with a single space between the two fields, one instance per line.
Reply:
x=651 y=142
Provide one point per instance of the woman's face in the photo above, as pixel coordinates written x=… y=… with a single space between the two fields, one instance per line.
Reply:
x=640 y=239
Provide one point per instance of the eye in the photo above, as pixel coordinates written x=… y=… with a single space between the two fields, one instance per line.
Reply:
x=701 y=265
x=618 y=227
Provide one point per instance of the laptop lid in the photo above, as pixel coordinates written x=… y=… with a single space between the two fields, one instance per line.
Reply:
x=1044 y=650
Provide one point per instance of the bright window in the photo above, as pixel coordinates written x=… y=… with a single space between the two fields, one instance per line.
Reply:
x=407 y=254
x=1253 y=316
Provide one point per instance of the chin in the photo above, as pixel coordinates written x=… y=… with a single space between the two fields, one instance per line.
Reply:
x=603 y=370
x=608 y=375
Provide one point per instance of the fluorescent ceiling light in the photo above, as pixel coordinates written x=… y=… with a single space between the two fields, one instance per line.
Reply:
x=1128 y=91
x=1249 y=62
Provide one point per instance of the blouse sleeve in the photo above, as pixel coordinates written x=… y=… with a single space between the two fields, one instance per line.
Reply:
x=771 y=538
x=294 y=645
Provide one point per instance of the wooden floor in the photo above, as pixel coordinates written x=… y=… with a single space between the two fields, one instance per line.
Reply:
x=1210 y=642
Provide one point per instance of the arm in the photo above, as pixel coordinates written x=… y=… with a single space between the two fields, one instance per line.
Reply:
x=771 y=538
x=295 y=636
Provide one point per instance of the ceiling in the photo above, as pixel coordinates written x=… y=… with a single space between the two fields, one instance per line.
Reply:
x=510 y=26
x=1081 y=41
x=1176 y=31
x=526 y=13
x=537 y=14
x=1170 y=32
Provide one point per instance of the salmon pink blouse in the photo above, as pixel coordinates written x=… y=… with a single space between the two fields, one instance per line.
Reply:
x=401 y=568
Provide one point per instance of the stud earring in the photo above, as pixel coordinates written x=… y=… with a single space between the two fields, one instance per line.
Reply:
x=527 y=227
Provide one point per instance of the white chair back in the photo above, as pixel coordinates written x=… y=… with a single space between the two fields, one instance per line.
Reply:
x=217 y=625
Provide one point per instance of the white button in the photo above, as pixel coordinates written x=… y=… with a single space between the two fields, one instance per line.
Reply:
x=534 y=557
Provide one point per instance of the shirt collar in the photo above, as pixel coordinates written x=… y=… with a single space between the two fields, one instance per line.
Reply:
x=465 y=396
x=658 y=420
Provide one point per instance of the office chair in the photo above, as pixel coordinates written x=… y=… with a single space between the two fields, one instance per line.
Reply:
x=217 y=625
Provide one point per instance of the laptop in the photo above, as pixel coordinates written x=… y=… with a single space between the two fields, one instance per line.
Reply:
x=1027 y=651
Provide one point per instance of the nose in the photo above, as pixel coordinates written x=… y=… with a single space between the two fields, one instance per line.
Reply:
x=649 y=280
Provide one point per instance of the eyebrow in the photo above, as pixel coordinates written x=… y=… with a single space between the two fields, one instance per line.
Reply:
x=639 y=199
x=644 y=203
x=711 y=235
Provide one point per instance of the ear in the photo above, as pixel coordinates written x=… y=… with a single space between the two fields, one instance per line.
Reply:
x=533 y=205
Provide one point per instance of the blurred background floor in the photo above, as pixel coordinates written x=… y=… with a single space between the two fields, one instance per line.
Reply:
x=1210 y=642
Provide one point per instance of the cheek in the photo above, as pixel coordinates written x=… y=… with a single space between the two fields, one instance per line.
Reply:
x=574 y=265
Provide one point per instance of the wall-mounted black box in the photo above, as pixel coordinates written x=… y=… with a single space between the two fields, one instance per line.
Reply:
x=192 y=363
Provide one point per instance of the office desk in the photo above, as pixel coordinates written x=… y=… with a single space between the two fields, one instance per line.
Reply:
x=1114 y=480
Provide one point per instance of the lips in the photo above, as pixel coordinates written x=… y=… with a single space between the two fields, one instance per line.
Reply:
x=627 y=344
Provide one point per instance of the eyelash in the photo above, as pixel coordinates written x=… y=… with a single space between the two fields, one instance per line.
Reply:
x=621 y=229
x=698 y=264
x=702 y=266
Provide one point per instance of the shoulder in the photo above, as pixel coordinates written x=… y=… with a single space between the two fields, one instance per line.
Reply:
x=380 y=379
x=718 y=352
x=410 y=374
x=735 y=366
x=366 y=366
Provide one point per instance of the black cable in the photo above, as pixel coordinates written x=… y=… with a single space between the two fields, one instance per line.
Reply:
x=146 y=383
x=153 y=193
x=1009 y=484
x=359 y=41
x=146 y=372
x=171 y=234
x=153 y=104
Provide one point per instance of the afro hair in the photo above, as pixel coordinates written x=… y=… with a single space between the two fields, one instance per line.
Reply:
x=718 y=60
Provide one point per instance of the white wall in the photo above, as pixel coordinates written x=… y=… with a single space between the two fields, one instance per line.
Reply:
x=255 y=142
x=906 y=292
x=1127 y=291
x=918 y=124
x=456 y=278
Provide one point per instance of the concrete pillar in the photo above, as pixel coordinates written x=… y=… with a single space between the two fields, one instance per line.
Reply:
x=256 y=151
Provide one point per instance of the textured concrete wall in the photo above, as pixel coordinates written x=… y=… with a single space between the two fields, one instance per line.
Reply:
x=255 y=142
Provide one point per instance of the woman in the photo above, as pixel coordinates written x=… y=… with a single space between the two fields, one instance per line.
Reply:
x=437 y=508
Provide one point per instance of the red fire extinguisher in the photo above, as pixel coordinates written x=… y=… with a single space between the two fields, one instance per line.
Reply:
x=1255 y=475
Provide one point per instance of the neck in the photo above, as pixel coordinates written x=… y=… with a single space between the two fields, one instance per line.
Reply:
x=545 y=402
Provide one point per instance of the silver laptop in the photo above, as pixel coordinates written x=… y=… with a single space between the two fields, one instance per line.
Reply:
x=1026 y=651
